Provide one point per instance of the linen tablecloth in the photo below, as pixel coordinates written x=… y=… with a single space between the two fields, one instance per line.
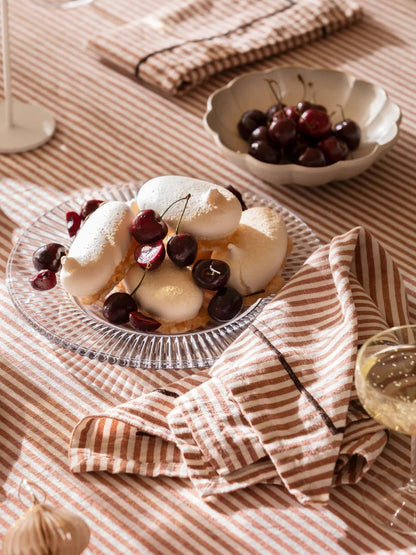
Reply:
x=112 y=129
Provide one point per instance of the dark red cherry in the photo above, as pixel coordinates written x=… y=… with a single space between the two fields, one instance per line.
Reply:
x=303 y=105
x=334 y=149
x=314 y=123
x=349 y=131
x=117 y=307
x=259 y=134
x=48 y=257
x=283 y=131
x=73 y=223
x=265 y=151
x=294 y=150
x=140 y=322
x=89 y=206
x=211 y=274
x=292 y=112
x=249 y=121
x=150 y=256
x=319 y=107
x=44 y=280
x=273 y=110
x=148 y=227
x=312 y=157
x=237 y=193
x=225 y=304
x=182 y=249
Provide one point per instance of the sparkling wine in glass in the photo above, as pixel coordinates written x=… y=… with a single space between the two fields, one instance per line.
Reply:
x=385 y=380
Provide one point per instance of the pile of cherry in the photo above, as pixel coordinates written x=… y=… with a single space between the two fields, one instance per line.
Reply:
x=298 y=134
x=149 y=230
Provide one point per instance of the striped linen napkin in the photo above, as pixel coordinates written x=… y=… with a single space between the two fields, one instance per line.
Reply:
x=177 y=47
x=279 y=406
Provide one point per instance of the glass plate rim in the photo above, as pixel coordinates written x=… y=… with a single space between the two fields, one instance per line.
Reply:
x=151 y=361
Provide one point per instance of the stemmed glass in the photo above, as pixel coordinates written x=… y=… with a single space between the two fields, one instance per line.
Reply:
x=385 y=380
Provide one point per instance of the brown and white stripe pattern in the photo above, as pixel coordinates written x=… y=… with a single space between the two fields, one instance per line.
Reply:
x=278 y=405
x=178 y=47
x=112 y=129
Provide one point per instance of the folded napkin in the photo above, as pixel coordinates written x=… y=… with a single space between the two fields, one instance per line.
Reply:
x=279 y=406
x=180 y=45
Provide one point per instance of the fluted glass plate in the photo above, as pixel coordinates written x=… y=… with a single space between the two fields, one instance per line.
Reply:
x=83 y=330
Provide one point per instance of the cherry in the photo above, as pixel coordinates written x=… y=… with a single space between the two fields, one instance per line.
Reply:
x=44 y=280
x=249 y=121
x=88 y=207
x=237 y=193
x=334 y=149
x=261 y=133
x=48 y=257
x=150 y=256
x=117 y=307
x=293 y=151
x=319 y=107
x=73 y=223
x=182 y=249
x=349 y=131
x=140 y=322
x=283 y=131
x=265 y=151
x=148 y=227
x=312 y=157
x=303 y=105
x=292 y=112
x=315 y=123
x=225 y=304
x=273 y=110
x=211 y=274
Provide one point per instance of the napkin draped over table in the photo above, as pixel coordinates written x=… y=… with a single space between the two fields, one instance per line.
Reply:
x=279 y=405
x=179 y=46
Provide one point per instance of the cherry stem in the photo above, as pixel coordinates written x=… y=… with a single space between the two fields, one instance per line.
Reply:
x=148 y=266
x=342 y=110
x=174 y=202
x=310 y=85
x=188 y=196
x=213 y=270
x=302 y=80
x=272 y=82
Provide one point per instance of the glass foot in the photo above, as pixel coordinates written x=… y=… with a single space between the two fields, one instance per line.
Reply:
x=32 y=127
x=390 y=502
x=402 y=506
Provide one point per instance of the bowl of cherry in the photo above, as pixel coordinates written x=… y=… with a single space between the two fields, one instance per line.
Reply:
x=302 y=126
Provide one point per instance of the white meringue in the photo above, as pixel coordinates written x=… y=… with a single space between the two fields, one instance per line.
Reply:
x=256 y=251
x=168 y=293
x=212 y=212
x=98 y=250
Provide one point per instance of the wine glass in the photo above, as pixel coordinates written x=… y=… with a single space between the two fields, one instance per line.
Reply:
x=385 y=380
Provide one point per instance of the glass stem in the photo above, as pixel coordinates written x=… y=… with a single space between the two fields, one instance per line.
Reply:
x=411 y=486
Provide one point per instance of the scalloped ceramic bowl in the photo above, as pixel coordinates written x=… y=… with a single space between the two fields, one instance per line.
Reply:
x=368 y=104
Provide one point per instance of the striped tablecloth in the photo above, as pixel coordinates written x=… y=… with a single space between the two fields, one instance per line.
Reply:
x=110 y=130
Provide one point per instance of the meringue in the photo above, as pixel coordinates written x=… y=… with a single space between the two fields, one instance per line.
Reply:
x=168 y=293
x=256 y=251
x=96 y=259
x=212 y=211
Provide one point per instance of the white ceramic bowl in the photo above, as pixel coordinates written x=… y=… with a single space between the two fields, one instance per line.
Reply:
x=366 y=103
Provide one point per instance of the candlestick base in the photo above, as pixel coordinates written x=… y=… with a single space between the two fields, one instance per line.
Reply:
x=32 y=127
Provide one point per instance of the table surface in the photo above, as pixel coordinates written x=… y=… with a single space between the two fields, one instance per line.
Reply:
x=111 y=129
